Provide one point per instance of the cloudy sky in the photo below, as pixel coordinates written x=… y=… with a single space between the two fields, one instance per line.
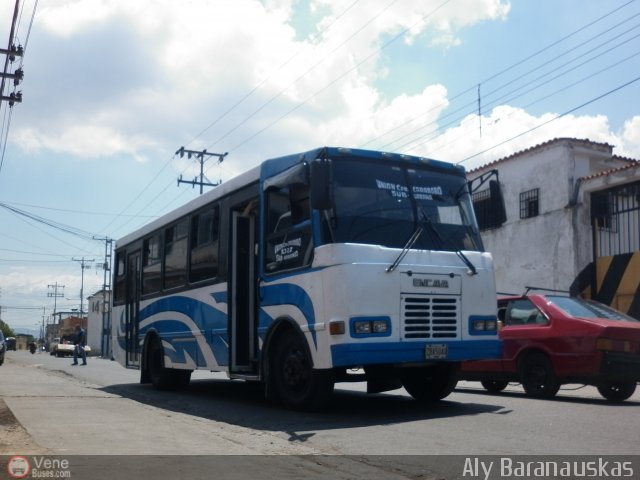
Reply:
x=112 y=88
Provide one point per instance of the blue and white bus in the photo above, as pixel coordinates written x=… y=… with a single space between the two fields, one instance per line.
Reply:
x=326 y=266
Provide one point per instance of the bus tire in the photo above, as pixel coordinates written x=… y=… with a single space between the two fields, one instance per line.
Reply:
x=494 y=386
x=297 y=384
x=617 y=392
x=164 y=378
x=430 y=384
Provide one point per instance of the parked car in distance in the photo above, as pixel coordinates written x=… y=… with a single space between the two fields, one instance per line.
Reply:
x=3 y=347
x=64 y=347
x=10 y=343
x=550 y=340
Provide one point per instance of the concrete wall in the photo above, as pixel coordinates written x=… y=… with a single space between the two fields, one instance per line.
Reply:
x=94 y=323
x=550 y=249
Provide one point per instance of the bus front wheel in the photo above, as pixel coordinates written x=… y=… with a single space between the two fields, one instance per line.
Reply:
x=164 y=378
x=430 y=384
x=296 y=383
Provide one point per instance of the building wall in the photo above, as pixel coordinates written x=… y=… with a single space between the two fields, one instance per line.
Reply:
x=95 y=317
x=550 y=249
x=614 y=277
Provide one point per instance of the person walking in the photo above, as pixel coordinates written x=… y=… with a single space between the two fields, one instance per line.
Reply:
x=79 y=341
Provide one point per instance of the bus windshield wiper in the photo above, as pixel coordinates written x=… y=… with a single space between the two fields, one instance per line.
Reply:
x=407 y=246
x=427 y=221
x=463 y=257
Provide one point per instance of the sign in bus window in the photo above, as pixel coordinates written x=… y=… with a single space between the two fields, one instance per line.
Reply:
x=289 y=228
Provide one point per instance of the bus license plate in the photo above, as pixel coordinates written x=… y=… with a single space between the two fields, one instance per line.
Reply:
x=437 y=351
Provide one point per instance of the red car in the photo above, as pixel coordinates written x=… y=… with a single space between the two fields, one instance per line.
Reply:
x=550 y=340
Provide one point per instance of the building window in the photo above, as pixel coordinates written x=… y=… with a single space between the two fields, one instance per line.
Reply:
x=529 y=203
x=603 y=211
x=486 y=213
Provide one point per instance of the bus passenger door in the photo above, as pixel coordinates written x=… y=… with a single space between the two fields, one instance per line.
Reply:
x=132 y=309
x=243 y=291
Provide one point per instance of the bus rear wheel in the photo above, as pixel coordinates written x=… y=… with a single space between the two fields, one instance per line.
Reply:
x=164 y=378
x=297 y=384
x=430 y=384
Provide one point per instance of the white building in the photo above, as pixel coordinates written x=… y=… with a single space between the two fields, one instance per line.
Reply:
x=572 y=221
x=98 y=313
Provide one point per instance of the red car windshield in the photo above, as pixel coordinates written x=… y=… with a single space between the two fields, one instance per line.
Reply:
x=578 y=307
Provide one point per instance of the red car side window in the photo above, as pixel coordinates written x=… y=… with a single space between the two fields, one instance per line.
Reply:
x=523 y=312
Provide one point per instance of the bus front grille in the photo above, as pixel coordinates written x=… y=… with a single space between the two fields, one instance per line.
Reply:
x=428 y=316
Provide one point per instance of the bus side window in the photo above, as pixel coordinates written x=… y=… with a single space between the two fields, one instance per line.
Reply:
x=175 y=254
x=288 y=228
x=204 y=244
x=120 y=282
x=151 y=264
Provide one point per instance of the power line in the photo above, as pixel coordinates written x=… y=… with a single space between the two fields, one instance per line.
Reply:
x=74 y=211
x=620 y=87
x=468 y=108
x=50 y=223
x=220 y=117
x=334 y=81
x=266 y=78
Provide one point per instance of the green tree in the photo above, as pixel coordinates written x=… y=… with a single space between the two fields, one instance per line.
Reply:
x=6 y=329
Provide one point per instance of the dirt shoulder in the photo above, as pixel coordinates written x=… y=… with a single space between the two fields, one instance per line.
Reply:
x=14 y=440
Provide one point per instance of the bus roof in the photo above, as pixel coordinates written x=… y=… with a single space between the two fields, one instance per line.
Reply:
x=273 y=166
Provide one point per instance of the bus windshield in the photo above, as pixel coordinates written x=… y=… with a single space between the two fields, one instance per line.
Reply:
x=383 y=204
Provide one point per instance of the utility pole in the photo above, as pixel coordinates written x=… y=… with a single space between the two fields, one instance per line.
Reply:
x=105 y=345
x=55 y=295
x=201 y=157
x=42 y=331
x=11 y=53
x=83 y=266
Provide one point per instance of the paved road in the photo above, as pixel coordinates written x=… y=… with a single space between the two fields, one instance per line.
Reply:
x=101 y=409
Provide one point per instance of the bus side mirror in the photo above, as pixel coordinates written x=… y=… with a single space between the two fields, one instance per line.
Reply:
x=321 y=192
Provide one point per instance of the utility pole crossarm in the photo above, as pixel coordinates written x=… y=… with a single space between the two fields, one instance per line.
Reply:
x=202 y=157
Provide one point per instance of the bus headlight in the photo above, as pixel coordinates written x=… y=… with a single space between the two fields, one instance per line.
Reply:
x=481 y=325
x=362 y=327
x=370 y=326
x=379 y=326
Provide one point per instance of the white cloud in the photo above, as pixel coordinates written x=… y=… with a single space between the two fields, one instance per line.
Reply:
x=630 y=138
x=185 y=66
x=85 y=141
x=508 y=129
